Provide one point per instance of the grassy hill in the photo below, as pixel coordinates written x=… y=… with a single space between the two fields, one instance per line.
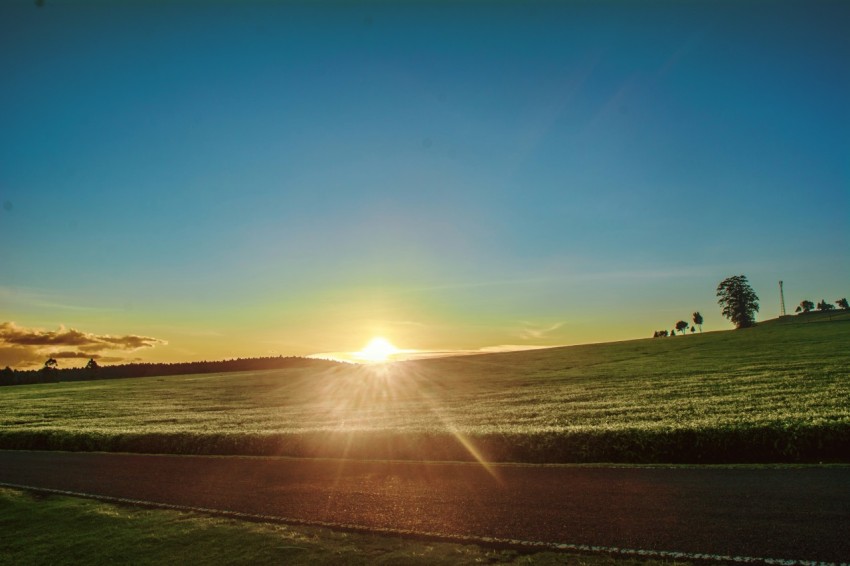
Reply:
x=776 y=392
x=808 y=317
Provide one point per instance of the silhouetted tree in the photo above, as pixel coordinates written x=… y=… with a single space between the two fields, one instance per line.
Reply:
x=7 y=374
x=693 y=329
x=681 y=326
x=673 y=332
x=805 y=306
x=698 y=320
x=50 y=364
x=824 y=306
x=738 y=301
x=842 y=304
x=799 y=309
x=655 y=334
x=92 y=365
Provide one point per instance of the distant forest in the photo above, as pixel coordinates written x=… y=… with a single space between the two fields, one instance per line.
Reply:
x=50 y=374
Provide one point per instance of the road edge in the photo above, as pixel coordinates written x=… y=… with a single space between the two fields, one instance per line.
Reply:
x=495 y=542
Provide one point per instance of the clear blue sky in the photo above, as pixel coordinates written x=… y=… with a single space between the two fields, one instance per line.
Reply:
x=294 y=178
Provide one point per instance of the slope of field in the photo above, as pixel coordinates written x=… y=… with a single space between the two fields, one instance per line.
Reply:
x=777 y=392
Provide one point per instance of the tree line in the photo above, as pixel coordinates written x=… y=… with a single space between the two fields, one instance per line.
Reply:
x=739 y=303
x=808 y=306
x=682 y=327
x=51 y=373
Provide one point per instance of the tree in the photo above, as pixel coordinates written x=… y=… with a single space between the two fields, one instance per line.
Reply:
x=681 y=326
x=842 y=303
x=693 y=329
x=805 y=306
x=738 y=301
x=698 y=320
x=92 y=365
x=50 y=364
x=824 y=306
x=799 y=309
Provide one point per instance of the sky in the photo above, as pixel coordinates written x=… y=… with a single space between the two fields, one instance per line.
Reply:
x=204 y=180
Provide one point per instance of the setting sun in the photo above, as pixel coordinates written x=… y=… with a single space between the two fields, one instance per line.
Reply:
x=377 y=350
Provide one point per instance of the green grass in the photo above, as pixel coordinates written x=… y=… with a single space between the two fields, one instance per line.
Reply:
x=777 y=392
x=36 y=530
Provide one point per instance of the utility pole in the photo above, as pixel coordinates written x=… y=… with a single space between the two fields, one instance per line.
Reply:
x=781 y=300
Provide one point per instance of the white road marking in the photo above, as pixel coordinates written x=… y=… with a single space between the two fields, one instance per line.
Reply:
x=462 y=539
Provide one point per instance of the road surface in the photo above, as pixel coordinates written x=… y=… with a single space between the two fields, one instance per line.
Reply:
x=782 y=513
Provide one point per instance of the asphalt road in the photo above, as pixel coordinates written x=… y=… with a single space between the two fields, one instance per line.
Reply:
x=784 y=513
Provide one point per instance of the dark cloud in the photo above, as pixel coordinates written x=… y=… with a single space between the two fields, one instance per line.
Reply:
x=20 y=356
x=12 y=334
x=72 y=354
x=131 y=342
x=91 y=348
x=23 y=347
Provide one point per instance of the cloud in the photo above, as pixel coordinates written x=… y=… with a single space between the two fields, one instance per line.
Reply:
x=21 y=346
x=10 y=333
x=408 y=355
x=20 y=356
x=73 y=355
x=534 y=332
x=40 y=299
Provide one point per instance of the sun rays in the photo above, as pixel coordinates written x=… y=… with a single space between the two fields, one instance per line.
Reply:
x=378 y=350
x=363 y=406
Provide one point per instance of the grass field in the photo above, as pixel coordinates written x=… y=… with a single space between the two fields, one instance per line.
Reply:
x=37 y=530
x=778 y=392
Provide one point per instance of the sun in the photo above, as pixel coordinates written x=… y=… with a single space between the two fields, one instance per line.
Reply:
x=377 y=350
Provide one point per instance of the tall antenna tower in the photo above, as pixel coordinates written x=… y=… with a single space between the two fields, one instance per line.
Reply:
x=781 y=300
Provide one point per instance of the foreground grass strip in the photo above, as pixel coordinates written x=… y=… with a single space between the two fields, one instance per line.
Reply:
x=775 y=393
x=42 y=528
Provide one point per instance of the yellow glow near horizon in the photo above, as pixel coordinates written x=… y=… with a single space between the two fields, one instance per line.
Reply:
x=377 y=350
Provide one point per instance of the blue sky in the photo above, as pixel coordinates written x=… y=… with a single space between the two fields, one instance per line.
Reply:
x=297 y=177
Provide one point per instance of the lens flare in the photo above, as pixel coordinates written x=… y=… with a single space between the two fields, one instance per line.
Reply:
x=378 y=350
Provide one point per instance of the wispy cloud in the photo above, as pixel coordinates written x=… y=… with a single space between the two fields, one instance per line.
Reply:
x=407 y=355
x=20 y=346
x=23 y=297
x=531 y=331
